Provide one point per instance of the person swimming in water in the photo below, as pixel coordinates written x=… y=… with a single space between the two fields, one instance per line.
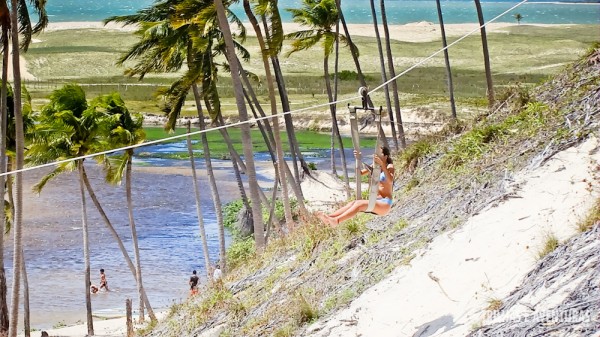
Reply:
x=103 y=282
x=384 y=197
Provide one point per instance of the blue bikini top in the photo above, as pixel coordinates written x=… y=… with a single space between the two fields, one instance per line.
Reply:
x=382 y=176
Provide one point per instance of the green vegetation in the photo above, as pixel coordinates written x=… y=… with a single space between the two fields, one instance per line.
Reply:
x=550 y=244
x=591 y=219
x=494 y=304
x=308 y=141
x=240 y=251
x=89 y=55
x=480 y=139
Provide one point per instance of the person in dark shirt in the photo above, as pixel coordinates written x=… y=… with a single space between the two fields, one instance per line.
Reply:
x=194 y=283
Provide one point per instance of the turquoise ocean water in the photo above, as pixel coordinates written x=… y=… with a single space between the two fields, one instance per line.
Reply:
x=358 y=11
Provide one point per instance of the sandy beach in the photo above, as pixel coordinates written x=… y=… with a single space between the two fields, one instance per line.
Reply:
x=423 y=31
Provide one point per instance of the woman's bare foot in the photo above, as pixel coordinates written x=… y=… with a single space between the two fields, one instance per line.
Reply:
x=326 y=219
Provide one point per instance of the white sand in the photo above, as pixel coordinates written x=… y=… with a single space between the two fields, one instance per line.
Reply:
x=485 y=259
x=412 y=32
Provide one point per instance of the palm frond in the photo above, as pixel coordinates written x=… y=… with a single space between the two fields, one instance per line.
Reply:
x=60 y=168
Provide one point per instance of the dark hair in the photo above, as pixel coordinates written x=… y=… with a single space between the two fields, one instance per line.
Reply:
x=102 y=270
x=194 y=272
x=386 y=152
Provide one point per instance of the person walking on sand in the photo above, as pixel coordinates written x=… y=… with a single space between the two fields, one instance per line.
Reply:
x=103 y=282
x=384 y=197
x=194 y=283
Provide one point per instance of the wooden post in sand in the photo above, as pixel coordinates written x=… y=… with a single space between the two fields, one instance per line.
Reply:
x=129 y=318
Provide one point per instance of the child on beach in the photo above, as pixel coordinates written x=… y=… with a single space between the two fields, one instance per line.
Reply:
x=103 y=283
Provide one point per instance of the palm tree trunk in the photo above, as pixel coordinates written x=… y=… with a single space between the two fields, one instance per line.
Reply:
x=446 y=59
x=86 y=251
x=236 y=164
x=213 y=184
x=335 y=131
x=354 y=53
x=486 y=56
x=198 y=204
x=26 y=312
x=114 y=233
x=390 y=59
x=276 y=133
x=386 y=90
x=285 y=104
x=269 y=139
x=259 y=236
x=4 y=323
x=335 y=93
x=134 y=237
x=289 y=123
x=20 y=146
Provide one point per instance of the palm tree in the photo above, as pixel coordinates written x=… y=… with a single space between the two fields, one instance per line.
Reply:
x=390 y=63
x=125 y=129
x=20 y=149
x=353 y=51
x=5 y=26
x=69 y=128
x=164 y=46
x=486 y=56
x=19 y=23
x=66 y=130
x=518 y=17
x=265 y=50
x=268 y=11
x=9 y=143
x=259 y=237
x=446 y=59
x=386 y=90
x=320 y=17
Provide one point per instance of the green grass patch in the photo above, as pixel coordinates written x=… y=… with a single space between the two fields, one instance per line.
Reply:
x=307 y=140
x=240 y=251
x=89 y=56
x=550 y=244
x=591 y=219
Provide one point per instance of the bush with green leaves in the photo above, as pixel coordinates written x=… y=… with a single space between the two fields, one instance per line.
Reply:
x=239 y=251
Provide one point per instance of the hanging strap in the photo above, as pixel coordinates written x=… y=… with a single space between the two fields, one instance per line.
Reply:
x=362 y=91
x=374 y=183
x=356 y=144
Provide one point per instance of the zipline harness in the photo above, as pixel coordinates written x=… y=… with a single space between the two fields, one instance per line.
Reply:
x=375 y=169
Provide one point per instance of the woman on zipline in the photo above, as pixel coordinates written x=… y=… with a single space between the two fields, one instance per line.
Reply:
x=384 y=197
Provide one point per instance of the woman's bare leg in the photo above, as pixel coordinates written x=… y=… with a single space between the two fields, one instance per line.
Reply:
x=342 y=209
x=381 y=208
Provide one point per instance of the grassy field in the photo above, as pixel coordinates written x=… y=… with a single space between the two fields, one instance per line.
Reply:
x=307 y=140
x=525 y=54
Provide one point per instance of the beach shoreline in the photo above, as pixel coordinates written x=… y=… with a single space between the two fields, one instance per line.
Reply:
x=421 y=31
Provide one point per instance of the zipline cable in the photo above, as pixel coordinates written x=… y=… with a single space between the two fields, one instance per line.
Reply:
x=58 y=162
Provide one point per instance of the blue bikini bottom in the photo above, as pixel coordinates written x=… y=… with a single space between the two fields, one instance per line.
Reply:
x=386 y=200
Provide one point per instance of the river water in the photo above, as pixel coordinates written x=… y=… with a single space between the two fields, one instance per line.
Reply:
x=167 y=227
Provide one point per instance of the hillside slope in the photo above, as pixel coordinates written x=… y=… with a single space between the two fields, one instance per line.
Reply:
x=474 y=207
